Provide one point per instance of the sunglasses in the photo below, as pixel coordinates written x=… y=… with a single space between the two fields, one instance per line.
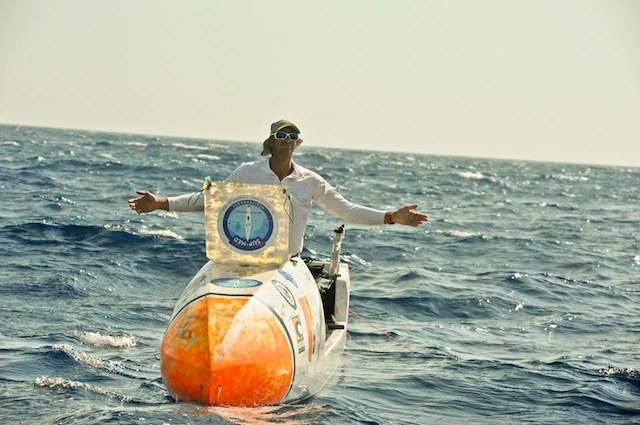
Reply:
x=281 y=135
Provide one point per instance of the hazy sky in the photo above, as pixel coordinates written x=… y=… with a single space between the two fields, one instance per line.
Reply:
x=552 y=80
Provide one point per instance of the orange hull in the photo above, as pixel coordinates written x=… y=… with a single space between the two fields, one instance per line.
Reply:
x=226 y=350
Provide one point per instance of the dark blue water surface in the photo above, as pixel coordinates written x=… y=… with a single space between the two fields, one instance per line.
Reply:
x=518 y=302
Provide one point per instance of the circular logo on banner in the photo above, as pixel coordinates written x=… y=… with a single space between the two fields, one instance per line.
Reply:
x=248 y=224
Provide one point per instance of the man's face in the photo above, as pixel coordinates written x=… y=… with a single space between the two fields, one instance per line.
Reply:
x=286 y=146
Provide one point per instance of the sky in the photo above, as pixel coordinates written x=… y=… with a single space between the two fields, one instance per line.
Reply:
x=542 y=80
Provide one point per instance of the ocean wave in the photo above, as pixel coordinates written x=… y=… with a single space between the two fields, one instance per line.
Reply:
x=107 y=155
x=219 y=146
x=165 y=233
x=456 y=233
x=203 y=156
x=473 y=175
x=567 y=177
x=209 y=157
x=89 y=360
x=630 y=376
x=45 y=232
x=101 y=340
x=614 y=371
x=107 y=235
x=137 y=144
x=63 y=383
x=190 y=147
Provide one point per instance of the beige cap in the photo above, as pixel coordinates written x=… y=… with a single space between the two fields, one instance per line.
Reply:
x=275 y=127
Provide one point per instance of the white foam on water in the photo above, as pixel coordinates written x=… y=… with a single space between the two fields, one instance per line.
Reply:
x=614 y=371
x=100 y=340
x=63 y=383
x=190 y=147
x=474 y=175
x=455 y=233
x=82 y=357
x=170 y=214
x=356 y=259
x=215 y=145
x=636 y=259
x=139 y=144
x=115 y=227
x=207 y=156
x=10 y=143
x=166 y=233
x=571 y=178
x=201 y=157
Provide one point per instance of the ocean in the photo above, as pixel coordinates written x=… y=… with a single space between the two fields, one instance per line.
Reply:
x=517 y=303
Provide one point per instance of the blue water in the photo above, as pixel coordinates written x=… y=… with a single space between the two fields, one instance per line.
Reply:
x=518 y=302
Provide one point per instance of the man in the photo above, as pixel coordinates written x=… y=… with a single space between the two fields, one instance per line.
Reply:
x=305 y=185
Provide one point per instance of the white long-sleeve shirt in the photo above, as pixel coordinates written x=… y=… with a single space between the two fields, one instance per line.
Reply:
x=305 y=186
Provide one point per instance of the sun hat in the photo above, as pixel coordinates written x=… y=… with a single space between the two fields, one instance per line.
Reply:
x=275 y=127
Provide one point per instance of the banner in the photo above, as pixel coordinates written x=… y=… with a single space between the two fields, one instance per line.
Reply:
x=247 y=224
